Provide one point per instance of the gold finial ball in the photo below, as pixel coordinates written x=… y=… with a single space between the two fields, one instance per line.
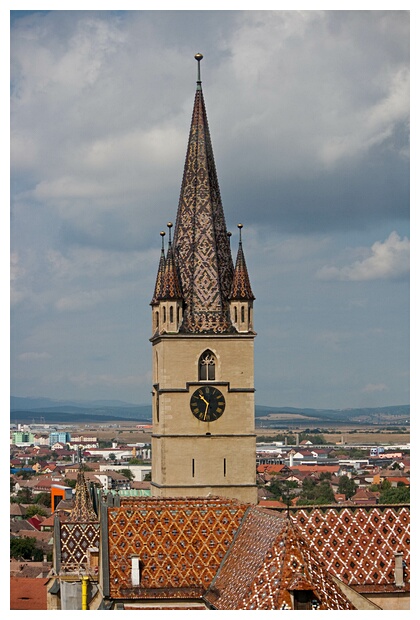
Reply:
x=198 y=57
x=169 y=224
x=240 y=226
x=162 y=233
x=229 y=234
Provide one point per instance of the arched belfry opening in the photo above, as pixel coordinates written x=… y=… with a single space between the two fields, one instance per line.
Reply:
x=207 y=366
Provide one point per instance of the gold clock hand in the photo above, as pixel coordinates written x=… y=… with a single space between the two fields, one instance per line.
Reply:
x=205 y=413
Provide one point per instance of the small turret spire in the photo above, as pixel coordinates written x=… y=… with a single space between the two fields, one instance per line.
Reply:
x=160 y=274
x=241 y=286
x=171 y=288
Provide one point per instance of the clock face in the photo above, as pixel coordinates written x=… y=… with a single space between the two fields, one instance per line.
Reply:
x=207 y=403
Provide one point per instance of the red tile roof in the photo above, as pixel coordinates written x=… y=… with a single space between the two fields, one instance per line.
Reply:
x=357 y=544
x=266 y=562
x=180 y=542
x=270 y=469
x=28 y=593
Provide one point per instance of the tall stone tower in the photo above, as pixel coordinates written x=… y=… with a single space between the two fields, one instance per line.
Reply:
x=203 y=440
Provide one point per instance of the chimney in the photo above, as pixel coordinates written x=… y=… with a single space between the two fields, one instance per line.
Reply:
x=399 y=569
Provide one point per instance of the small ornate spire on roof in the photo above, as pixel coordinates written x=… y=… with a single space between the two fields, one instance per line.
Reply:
x=83 y=508
x=241 y=286
x=171 y=288
x=160 y=274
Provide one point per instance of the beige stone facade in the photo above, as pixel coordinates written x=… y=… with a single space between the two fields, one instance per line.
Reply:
x=193 y=457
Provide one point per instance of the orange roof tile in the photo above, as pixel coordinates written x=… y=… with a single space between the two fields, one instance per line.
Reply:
x=180 y=543
x=28 y=593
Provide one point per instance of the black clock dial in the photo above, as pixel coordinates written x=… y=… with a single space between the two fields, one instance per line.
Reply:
x=207 y=403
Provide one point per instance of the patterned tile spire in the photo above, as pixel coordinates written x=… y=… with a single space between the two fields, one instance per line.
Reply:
x=201 y=243
x=241 y=286
x=171 y=288
x=83 y=508
x=160 y=275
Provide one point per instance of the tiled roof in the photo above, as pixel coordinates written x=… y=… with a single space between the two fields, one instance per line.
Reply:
x=333 y=469
x=83 y=509
x=241 y=286
x=270 y=468
x=160 y=275
x=201 y=241
x=28 y=593
x=180 y=543
x=171 y=287
x=266 y=563
x=357 y=544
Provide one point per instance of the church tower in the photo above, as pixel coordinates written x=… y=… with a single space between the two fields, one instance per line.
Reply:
x=203 y=440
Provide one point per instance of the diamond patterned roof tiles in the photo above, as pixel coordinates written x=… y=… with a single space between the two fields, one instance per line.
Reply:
x=266 y=563
x=357 y=544
x=201 y=242
x=180 y=544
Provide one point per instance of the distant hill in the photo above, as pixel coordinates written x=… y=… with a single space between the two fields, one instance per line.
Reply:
x=68 y=411
x=48 y=410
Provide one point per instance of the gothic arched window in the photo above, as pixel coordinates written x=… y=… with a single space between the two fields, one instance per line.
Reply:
x=207 y=366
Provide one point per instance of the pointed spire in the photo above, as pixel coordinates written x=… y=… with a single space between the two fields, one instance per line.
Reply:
x=241 y=286
x=160 y=275
x=201 y=243
x=83 y=508
x=171 y=288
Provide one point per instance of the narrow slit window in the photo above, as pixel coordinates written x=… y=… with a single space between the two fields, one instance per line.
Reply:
x=193 y=467
x=224 y=468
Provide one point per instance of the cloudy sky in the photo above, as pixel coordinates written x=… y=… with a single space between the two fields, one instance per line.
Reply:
x=309 y=118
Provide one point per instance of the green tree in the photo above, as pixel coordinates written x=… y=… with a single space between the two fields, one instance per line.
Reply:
x=324 y=493
x=24 y=496
x=25 y=548
x=35 y=509
x=347 y=486
x=127 y=473
x=395 y=495
x=135 y=461
x=43 y=498
x=316 y=493
x=112 y=457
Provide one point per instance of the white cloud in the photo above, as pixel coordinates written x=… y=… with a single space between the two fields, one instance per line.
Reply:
x=33 y=356
x=389 y=259
x=375 y=387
